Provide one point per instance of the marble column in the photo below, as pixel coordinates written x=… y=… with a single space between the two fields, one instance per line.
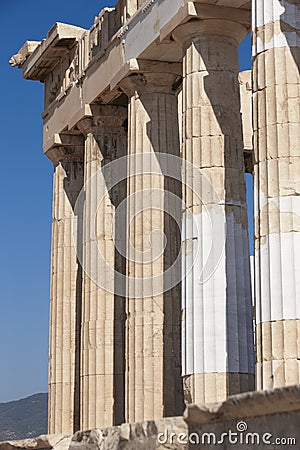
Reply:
x=153 y=378
x=103 y=311
x=276 y=92
x=66 y=290
x=218 y=353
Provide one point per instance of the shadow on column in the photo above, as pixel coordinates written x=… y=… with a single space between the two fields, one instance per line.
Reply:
x=167 y=142
x=289 y=28
x=222 y=90
x=73 y=183
x=113 y=149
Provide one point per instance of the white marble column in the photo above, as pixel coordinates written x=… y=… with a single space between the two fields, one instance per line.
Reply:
x=103 y=311
x=276 y=93
x=66 y=288
x=153 y=378
x=218 y=353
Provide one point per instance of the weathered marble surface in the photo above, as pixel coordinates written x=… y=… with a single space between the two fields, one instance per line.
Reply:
x=82 y=69
x=276 y=124
x=267 y=416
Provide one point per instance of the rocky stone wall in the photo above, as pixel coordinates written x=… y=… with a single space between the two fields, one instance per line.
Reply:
x=255 y=420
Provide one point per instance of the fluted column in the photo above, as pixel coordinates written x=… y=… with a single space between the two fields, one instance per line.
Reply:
x=218 y=354
x=66 y=287
x=153 y=379
x=276 y=58
x=103 y=311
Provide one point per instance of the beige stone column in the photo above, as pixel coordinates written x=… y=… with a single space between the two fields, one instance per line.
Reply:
x=103 y=311
x=153 y=379
x=218 y=354
x=276 y=58
x=66 y=289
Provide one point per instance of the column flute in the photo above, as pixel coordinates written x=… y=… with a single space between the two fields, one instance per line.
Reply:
x=218 y=354
x=66 y=292
x=276 y=59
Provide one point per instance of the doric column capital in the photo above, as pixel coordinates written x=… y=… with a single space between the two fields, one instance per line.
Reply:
x=66 y=148
x=211 y=28
x=103 y=117
x=149 y=83
x=153 y=77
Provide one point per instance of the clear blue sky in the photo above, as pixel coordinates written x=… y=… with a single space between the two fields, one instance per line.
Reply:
x=26 y=192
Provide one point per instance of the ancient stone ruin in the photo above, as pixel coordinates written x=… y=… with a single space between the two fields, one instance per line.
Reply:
x=149 y=127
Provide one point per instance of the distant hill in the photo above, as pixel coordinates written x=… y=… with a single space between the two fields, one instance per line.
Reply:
x=23 y=418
